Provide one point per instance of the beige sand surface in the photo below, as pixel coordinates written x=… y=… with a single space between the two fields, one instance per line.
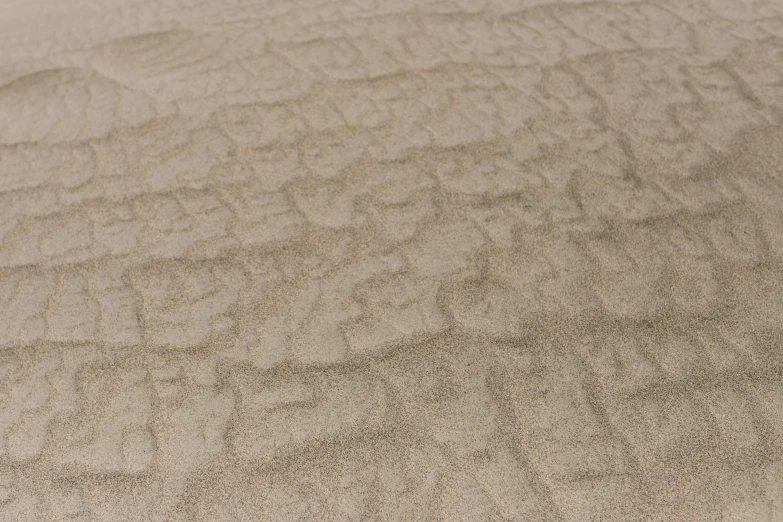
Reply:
x=391 y=260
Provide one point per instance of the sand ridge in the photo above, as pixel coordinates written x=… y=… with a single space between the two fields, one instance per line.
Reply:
x=476 y=260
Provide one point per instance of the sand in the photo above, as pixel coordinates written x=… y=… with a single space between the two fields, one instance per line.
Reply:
x=391 y=260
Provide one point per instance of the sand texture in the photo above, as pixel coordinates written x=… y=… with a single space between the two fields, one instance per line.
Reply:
x=391 y=260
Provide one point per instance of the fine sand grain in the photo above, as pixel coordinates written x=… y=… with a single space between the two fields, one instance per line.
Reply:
x=392 y=260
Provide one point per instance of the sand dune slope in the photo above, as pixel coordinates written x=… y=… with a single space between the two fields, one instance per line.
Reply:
x=391 y=260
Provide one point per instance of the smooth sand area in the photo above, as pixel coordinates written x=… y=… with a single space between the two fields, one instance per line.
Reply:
x=404 y=260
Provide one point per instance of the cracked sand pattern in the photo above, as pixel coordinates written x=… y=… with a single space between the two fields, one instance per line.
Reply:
x=391 y=260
